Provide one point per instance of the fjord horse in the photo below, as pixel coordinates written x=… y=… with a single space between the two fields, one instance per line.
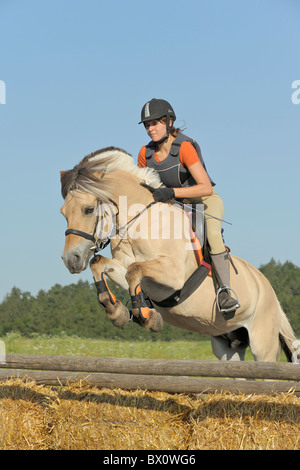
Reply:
x=104 y=200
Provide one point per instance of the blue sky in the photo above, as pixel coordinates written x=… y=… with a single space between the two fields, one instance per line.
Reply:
x=77 y=74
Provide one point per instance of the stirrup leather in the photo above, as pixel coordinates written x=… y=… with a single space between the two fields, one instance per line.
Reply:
x=141 y=302
x=231 y=309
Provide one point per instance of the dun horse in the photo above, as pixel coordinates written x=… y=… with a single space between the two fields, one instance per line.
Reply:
x=104 y=200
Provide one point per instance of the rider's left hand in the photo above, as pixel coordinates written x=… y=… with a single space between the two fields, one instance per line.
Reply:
x=163 y=194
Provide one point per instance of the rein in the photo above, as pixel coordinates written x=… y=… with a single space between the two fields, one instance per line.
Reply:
x=135 y=217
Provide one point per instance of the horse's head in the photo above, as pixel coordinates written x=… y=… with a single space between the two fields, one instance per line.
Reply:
x=80 y=211
x=91 y=190
x=89 y=223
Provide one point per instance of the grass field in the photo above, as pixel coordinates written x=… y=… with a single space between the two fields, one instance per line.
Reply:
x=64 y=345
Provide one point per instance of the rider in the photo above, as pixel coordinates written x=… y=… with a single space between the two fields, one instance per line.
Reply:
x=181 y=168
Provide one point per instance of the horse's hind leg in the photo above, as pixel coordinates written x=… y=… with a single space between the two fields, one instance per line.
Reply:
x=264 y=330
x=264 y=342
x=115 y=310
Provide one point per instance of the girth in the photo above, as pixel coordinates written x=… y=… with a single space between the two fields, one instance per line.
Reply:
x=189 y=287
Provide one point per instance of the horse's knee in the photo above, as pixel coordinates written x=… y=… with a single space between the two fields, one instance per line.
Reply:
x=96 y=264
x=134 y=274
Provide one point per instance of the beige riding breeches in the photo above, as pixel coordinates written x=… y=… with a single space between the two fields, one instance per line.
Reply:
x=214 y=207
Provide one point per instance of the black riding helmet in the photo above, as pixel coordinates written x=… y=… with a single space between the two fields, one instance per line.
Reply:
x=156 y=109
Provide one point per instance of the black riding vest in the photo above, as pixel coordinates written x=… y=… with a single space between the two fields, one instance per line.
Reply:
x=171 y=172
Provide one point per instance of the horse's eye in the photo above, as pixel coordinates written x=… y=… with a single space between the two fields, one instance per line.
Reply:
x=88 y=210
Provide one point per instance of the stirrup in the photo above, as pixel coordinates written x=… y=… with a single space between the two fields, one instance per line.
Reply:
x=231 y=309
x=141 y=302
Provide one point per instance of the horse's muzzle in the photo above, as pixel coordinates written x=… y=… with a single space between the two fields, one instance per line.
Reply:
x=73 y=263
x=77 y=260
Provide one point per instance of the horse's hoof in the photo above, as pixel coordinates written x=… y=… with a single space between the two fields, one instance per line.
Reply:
x=154 y=322
x=120 y=314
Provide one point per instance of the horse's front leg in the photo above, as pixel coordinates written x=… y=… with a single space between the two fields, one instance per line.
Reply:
x=163 y=273
x=115 y=310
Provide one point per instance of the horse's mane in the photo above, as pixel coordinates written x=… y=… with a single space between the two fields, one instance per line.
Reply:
x=108 y=159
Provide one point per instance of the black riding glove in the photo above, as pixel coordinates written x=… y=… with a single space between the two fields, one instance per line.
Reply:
x=163 y=194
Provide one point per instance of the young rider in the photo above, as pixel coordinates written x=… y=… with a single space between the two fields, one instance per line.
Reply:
x=181 y=168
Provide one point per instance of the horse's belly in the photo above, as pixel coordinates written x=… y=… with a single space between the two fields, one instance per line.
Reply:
x=208 y=322
x=201 y=325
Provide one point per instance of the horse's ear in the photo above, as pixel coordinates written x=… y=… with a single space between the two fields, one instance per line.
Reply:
x=62 y=174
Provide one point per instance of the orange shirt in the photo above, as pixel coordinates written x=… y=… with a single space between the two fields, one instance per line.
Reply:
x=187 y=155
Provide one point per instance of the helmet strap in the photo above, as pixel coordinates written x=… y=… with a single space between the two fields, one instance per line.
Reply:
x=161 y=141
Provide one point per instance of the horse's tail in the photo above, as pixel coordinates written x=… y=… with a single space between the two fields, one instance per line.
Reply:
x=287 y=339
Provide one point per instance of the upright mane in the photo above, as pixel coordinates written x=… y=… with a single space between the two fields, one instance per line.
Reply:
x=83 y=176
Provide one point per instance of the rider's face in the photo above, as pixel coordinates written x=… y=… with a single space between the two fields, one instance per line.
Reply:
x=156 y=130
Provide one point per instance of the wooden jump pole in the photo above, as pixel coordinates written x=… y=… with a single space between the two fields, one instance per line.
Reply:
x=170 y=384
x=235 y=369
x=171 y=376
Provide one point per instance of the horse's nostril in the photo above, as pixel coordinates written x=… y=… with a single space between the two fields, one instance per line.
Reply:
x=72 y=261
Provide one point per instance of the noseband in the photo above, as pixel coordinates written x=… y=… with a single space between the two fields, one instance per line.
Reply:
x=98 y=244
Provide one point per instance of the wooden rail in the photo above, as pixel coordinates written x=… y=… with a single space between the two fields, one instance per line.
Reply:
x=173 y=376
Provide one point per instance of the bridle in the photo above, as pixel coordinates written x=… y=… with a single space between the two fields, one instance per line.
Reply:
x=94 y=237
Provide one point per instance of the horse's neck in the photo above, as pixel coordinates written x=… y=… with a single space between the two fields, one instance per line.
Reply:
x=131 y=199
x=124 y=184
